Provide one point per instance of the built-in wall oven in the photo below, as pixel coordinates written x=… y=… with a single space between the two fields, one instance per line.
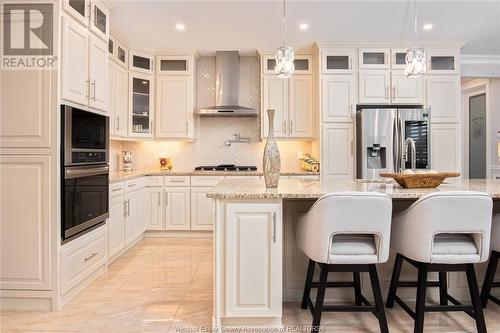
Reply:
x=85 y=171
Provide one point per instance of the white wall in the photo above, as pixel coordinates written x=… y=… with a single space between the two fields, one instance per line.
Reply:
x=494 y=105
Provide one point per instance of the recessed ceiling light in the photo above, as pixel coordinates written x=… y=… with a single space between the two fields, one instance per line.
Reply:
x=427 y=26
x=180 y=27
x=303 y=26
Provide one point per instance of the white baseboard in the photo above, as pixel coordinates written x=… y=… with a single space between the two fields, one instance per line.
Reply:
x=26 y=300
x=178 y=233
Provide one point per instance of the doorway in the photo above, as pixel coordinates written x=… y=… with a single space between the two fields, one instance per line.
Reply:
x=477 y=136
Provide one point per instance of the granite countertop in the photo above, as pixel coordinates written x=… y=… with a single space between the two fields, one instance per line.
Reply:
x=117 y=176
x=313 y=189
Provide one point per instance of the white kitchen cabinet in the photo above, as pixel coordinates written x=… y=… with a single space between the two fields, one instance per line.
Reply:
x=172 y=65
x=84 y=66
x=303 y=64
x=112 y=97
x=174 y=107
x=116 y=226
x=405 y=90
x=292 y=100
x=202 y=209
x=155 y=208
x=99 y=19
x=28 y=122
x=141 y=62
x=337 y=151
x=443 y=61
x=98 y=73
x=446 y=155
x=78 y=9
x=443 y=97
x=132 y=217
x=177 y=208
x=301 y=107
x=374 y=58
x=75 y=62
x=254 y=245
x=398 y=58
x=118 y=99
x=374 y=87
x=26 y=227
x=121 y=54
x=275 y=97
x=140 y=104
x=338 y=61
x=338 y=98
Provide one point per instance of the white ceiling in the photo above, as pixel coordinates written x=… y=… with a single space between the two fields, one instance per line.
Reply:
x=250 y=25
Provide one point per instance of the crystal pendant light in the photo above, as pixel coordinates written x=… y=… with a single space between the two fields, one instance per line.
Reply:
x=284 y=55
x=415 y=57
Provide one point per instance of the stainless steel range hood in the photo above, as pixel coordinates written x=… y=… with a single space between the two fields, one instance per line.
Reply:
x=227 y=74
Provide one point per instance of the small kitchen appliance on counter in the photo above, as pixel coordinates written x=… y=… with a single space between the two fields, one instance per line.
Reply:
x=226 y=167
x=127 y=161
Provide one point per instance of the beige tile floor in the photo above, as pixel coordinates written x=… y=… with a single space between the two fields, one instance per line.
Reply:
x=163 y=284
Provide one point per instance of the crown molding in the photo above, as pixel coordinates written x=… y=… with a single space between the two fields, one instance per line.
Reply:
x=479 y=59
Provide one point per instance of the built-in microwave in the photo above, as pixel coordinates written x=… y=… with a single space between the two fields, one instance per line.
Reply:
x=85 y=137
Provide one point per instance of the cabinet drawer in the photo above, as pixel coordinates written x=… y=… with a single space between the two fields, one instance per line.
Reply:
x=177 y=181
x=205 y=180
x=134 y=184
x=82 y=257
x=243 y=177
x=116 y=189
x=154 y=181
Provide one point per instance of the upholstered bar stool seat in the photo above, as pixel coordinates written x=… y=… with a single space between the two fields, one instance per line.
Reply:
x=442 y=232
x=345 y=232
x=492 y=265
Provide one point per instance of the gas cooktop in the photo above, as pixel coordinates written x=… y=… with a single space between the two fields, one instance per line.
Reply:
x=226 y=167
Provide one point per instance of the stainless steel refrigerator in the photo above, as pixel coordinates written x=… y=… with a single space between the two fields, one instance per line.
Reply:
x=380 y=139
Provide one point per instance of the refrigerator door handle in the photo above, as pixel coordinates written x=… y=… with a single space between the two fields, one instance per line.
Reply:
x=401 y=144
x=395 y=144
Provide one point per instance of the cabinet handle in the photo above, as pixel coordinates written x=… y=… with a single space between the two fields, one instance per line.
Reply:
x=118 y=123
x=128 y=207
x=159 y=200
x=125 y=208
x=274 y=227
x=291 y=127
x=166 y=199
x=151 y=127
x=352 y=147
x=90 y=257
x=393 y=91
x=187 y=127
x=386 y=92
x=93 y=88
x=116 y=189
x=176 y=180
x=131 y=185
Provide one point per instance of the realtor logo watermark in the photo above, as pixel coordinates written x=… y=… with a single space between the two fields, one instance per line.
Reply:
x=28 y=36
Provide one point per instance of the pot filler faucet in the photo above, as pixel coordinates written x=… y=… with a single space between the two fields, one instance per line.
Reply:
x=411 y=143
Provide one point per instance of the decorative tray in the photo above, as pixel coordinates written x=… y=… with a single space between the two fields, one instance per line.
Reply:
x=420 y=180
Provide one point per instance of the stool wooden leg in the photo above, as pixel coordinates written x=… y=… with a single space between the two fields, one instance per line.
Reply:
x=320 y=298
x=377 y=296
x=420 y=305
x=443 y=289
x=489 y=278
x=357 y=288
x=396 y=272
x=307 y=287
x=476 y=301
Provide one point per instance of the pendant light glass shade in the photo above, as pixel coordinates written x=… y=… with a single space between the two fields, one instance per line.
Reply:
x=415 y=59
x=284 y=62
x=415 y=63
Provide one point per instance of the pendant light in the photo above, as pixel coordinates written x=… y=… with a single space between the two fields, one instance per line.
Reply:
x=415 y=57
x=284 y=55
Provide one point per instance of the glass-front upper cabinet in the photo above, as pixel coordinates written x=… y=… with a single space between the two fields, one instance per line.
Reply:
x=303 y=64
x=338 y=61
x=140 y=62
x=121 y=54
x=99 y=19
x=398 y=58
x=442 y=61
x=374 y=58
x=141 y=105
x=112 y=47
x=78 y=9
x=174 y=65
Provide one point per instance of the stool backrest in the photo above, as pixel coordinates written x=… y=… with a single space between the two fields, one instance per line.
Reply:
x=345 y=213
x=463 y=212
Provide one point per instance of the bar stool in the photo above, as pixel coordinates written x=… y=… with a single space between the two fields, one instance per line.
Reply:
x=492 y=265
x=442 y=232
x=345 y=232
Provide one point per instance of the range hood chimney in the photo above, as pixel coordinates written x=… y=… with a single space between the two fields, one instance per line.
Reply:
x=227 y=76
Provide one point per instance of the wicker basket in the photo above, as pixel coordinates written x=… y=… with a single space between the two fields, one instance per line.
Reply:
x=420 y=180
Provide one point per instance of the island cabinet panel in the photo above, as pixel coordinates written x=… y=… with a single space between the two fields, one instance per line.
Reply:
x=254 y=260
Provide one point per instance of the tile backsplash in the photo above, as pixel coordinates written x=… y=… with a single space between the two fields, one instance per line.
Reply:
x=210 y=147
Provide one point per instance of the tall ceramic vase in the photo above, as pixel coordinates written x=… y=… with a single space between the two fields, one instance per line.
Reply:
x=271 y=160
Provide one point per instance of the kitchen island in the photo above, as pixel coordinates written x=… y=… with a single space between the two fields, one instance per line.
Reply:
x=257 y=265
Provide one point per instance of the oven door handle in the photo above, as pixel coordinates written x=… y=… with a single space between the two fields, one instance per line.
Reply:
x=74 y=172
